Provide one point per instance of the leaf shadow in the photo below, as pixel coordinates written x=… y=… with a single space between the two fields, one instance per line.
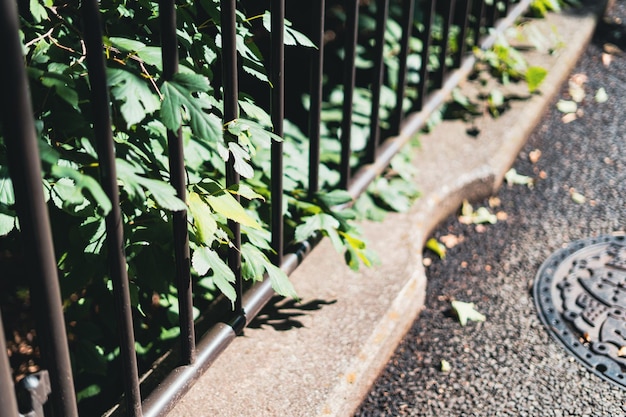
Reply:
x=281 y=313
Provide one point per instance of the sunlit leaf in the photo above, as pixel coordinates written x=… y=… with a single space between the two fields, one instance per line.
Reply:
x=226 y=205
x=512 y=177
x=601 y=95
x=437 y=247
x=466 y=312
x=202 y=218
x=567 y=106
x=139 y=100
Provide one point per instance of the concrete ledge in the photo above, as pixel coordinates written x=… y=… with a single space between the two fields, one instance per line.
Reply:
x=320 y=357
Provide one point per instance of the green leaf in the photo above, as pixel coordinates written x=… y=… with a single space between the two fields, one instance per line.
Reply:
x=7 y=224
x=178 y=97
x=254 y=261
x=512 y=177
x=567 y=106
x=226 y=288
x=125 y=44
x=202 y=218
x=534 y=77
x=84 y=182
x=291 y=36
x=38 y=11
x=280 y=281
x=87 y=392
x=204 y=260
x=241 y=156
x=139 y=100
x=466 y=311
x=7 y=197
x=163 y=193
x=437 y=247
x=226 y=205
x=601 y=95
x=246 y=192
x=335 y=198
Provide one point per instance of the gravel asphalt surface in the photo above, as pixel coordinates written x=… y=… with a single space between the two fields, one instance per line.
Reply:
x=509 y=365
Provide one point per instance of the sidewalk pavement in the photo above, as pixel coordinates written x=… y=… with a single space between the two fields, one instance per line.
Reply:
x=320 y=357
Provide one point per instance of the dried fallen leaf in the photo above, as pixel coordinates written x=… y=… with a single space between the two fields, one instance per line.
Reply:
x=601 y=95
x=502 y=216
x=534 y=156
x=466 y=311
x=451 y=240
x=577 y=92
x=494 y=202
x=578 y=198
x=445 y=366
x=578 y=79
x=568 y=118
x=512 y=177
x=607 y=59
x=566 y=106
x=612 y=49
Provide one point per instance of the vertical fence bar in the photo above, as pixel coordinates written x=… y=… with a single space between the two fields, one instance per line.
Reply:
x=448 y=16
x=349 y=72
x=178 y=178
x=429 y=15
x=25 y=170
x=406 y=22
x=478 y=13
x=113 y=221
x=230 y=87
x=492 y=14
x=315 y=106
x=277 y=69
x=382 y=12
x=8 y=403
x=462 y=41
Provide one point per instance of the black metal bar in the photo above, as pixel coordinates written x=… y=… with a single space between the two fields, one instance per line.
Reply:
x=315 y=106
x=108 y=179
x=408 y=7
x=382 y=12
x=429 y=15
x=178 y=179
x=478 y=13
x=7 y=394
x=352 y=17
x=20 y=140
x=462 y=41
x=230 y=87
x=277 y=69
x=448 y=16
x=492 y=14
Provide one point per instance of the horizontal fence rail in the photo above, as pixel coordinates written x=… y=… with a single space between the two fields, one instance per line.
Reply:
x=197 y=346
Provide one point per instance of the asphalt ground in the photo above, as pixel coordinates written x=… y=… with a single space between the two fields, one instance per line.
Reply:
x=509 y=365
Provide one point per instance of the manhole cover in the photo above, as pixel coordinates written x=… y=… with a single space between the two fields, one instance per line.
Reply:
x=580 y=293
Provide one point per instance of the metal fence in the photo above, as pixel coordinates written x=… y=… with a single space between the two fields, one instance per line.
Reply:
x=472 y=17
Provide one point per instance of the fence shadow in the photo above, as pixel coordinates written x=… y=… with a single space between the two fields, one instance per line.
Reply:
x=282 y=314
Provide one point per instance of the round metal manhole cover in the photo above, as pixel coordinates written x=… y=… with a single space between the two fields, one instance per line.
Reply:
x=580 y=293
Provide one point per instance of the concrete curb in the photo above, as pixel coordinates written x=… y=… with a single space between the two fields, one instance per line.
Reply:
x=327 y=360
